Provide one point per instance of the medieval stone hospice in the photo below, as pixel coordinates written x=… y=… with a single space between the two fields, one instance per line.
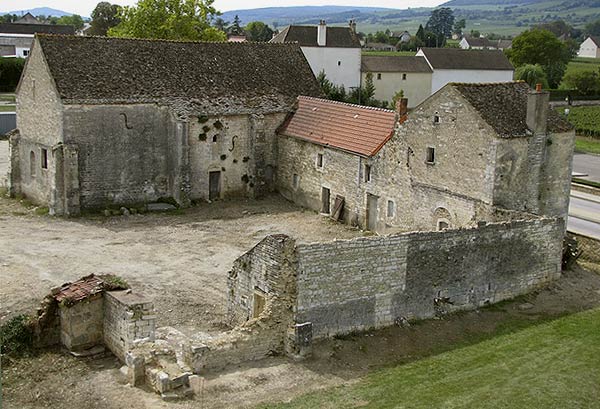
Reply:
x=466 y=195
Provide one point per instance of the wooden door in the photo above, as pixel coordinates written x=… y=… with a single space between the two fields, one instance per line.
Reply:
x=214 y=185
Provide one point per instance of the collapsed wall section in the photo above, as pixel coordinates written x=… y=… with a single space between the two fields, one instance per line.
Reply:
x=371 y=282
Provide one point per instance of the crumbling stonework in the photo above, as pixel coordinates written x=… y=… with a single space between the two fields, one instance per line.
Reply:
x=81 y=325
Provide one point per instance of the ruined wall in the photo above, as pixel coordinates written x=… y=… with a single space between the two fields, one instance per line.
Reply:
x=269 y=269
x=128 y=317
x=370 y=282
x=81 y=325
x=123 y=152
x=241 y=147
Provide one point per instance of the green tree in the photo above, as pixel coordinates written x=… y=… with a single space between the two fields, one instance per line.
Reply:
x=220 y=24
x=459 y=26
x=104 y=17
x=236 y=28
x=421 y=33
x=258 y=31
x=441 y=22
x=10 y=73
x=369 y=90
x=330 y=90
x=593 y=28
x=397 y=97
x=532 y=74
x=541 y=47
x=169 y=19
x=74 y=20
x=587 y=82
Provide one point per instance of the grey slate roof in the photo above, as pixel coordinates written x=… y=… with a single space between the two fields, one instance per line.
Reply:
x=394 y=63
x=504 y=107
x=596 y=40
x=457 y=59
x=190 y=76
x=478 y=42
x=306 y=36
x=20 y=28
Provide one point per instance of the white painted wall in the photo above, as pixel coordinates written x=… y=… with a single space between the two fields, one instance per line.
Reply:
x=588 y=49
x=22 y=52
x=464 y=44
x=346 y=73
x=416 y=86
x=442 y=77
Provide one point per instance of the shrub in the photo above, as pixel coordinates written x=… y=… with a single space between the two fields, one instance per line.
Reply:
x=10 y=73
x=586 y=82
x=16 y=335
x=532 y=74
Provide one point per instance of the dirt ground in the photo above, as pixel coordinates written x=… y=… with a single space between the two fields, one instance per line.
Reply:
x=180 y=260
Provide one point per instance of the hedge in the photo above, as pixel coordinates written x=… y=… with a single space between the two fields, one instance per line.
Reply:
x=10 y=73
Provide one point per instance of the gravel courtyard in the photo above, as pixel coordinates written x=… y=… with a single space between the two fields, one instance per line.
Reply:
x=180 y=259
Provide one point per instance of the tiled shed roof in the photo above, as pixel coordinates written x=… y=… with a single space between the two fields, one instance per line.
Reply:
x=596 y=40
x=353 y=128
x=394 y=63
x=80 y=289
x=478 y=42
x=306 y=36
x=504 y=107
x=457 y=59
x=209 y=76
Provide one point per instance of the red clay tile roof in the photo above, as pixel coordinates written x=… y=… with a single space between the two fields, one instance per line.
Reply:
x=80 y=289
x=353 y=128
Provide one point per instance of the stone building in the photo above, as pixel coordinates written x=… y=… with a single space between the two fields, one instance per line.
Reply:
x=391 y=74
x=334 y=50
x=461 y=155
x=108 y=122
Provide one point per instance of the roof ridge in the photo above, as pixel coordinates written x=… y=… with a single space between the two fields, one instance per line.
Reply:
x=158 y=40
x=346 y=104
x=485 y=84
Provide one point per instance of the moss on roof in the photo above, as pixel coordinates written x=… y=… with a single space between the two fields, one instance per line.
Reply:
x=210 y=76
x=504 y=107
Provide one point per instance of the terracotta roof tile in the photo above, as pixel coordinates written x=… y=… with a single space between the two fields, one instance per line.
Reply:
x=80 y=289
x=353 y=128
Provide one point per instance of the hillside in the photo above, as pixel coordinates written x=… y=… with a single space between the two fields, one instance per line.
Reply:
x=502 y=16
x=39 y=11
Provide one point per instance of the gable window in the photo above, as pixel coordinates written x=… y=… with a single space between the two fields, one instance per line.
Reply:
x=391 y=208
x=339 y=63
x=320 y=160
x=436 y=118
x=430 y=156
x=25 y=53
x=44 y=159
x=443 y=224
x=295 y=181
x=379 y=76
x=367 y=174
x=215 y=138
x=403 y=77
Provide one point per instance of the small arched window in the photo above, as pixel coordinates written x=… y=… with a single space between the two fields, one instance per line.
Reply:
x=32 y=166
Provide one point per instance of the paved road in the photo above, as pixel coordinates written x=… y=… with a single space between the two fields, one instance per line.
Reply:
x=584 y=214
x=587 y=164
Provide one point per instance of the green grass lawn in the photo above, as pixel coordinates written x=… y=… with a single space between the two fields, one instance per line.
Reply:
x=7 y=97
x=581 y=64
x=587 y=145
x=551 y=365
x=7 y=108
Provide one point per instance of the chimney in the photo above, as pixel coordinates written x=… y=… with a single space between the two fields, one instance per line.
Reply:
x=322 y=34
x=353 y=26
x=402 y=109
x=537 y=110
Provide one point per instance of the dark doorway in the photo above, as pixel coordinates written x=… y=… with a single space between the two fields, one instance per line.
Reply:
x=371 y=212
x=214 y=185
x=325 y=199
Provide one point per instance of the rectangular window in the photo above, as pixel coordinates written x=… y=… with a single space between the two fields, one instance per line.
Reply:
x=319 y=160
x=25 y=53
x=295 y=181
x=367 y=173
x=430 y=155
x=44 y=159
x=391 y=209
x=403 y=77
x=378 y=76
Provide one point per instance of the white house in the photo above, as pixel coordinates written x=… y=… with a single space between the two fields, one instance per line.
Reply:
x=335 y=50
x=16 y=38
x=392 y=73
x=476 y=43
x=466 y=66
x=590 y=48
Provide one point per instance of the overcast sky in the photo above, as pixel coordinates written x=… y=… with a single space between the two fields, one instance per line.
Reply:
x=85 y=7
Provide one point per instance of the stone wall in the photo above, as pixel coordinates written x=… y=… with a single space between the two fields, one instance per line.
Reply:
x=81 y=324
x=241 y=147
x=128 y=318
x=123 y=152
x=370 y=282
